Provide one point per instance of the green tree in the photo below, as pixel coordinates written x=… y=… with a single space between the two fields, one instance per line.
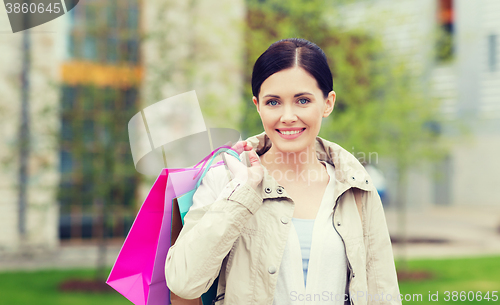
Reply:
x=378 y=100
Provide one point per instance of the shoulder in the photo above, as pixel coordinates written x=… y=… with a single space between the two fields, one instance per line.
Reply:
x=211 y=186
x=216 y=178
x=347 y=166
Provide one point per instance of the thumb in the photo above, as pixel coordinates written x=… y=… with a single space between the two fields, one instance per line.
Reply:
x=254 y=159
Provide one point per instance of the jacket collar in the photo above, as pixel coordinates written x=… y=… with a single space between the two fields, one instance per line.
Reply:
x=348 y=170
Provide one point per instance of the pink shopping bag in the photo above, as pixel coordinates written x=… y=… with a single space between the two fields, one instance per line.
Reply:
x=139 y=270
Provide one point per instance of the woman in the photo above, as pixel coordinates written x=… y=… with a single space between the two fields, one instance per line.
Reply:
x=303 y=223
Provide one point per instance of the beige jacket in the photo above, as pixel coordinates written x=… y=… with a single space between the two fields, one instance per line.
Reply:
x=241 y=234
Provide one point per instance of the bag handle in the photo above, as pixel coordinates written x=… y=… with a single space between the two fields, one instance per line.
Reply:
x=204 y=160
x=212 y=156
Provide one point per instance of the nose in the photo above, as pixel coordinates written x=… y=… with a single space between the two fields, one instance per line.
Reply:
x=288 y=116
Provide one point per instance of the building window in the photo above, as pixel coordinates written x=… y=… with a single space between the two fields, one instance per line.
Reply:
x=132 y=47
x=492 y=52
x=95 y=160
x=444 y=46
x=112 y=49
x=105 y=31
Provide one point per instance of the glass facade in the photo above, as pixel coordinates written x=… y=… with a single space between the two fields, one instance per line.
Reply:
x=99 y=95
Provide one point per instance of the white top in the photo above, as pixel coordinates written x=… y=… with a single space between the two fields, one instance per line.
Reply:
x=327 y=268
x=304 y=228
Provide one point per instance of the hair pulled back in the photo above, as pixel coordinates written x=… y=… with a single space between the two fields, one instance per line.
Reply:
x=288 y=53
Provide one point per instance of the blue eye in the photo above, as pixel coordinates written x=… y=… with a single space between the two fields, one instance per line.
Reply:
x=303 y=101
x=272 y=102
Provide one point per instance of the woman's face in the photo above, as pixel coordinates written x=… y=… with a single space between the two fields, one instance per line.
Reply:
x=291 y=106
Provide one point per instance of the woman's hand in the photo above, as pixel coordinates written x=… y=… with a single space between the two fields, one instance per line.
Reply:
x=252 y=175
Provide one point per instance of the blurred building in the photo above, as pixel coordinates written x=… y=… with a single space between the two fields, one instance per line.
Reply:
x=91 y=71
x=100 y=82
x=454 y=46
x=41 y=213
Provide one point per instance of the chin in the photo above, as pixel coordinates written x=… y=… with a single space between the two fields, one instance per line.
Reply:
x=288 y=147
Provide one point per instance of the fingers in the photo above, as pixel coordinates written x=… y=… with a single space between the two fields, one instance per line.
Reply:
x=254 y=159
x=252 y=174
x=248 y=147
x=242 y=146
x=239 y=147
x=236 y=167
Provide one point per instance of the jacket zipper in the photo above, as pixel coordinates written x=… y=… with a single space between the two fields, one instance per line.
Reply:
x=345 y=251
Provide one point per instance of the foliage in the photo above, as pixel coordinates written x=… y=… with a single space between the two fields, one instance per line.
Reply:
x=444 y=45
x=379 y=107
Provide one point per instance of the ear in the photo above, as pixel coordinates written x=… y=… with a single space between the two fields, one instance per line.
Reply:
x=256 y=103
x=329 y=104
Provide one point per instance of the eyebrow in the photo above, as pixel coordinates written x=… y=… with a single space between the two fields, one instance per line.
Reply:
x=296 y=95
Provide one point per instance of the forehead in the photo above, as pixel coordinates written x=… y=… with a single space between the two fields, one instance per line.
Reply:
x=289 y=82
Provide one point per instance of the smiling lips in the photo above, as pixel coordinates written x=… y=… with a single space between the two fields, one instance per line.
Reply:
x=290 y=133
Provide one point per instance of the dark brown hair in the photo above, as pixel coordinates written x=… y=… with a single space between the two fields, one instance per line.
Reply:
x=288 y=53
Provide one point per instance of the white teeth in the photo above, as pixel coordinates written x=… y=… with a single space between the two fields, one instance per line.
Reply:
x=290 y=132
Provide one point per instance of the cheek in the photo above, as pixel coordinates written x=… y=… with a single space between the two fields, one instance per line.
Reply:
x=314 y=122
x=268 y=117
x=314 y=116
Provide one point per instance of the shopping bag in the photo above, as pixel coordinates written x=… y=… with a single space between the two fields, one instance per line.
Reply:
x=180 y=207
x=172 y=225
x=139 y=270
x=132 y=273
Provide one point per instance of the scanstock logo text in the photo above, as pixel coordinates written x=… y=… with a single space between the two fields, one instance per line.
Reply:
x=24 y=14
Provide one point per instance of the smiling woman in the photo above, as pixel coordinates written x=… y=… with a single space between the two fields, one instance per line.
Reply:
x=302 y=219
x=291 y=106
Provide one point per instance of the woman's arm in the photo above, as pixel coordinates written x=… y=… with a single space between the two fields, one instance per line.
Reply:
x=211 y=227
x=381 y=271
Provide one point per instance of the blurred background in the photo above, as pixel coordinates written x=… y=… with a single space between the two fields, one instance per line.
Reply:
x=418 y=103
